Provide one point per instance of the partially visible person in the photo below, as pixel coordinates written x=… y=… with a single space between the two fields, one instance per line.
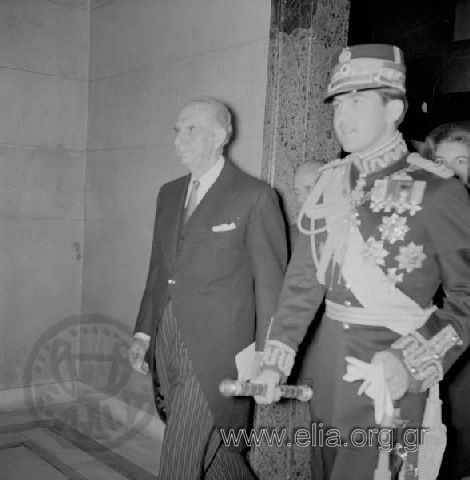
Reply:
x=304 y=178
x=449 y=145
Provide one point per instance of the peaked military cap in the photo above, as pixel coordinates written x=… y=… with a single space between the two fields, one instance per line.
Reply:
x=365 y=67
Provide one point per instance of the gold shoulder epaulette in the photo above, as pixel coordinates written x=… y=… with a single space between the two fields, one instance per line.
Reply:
x=418 y=161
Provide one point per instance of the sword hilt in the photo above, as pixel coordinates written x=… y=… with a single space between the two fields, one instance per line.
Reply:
x=234 y=388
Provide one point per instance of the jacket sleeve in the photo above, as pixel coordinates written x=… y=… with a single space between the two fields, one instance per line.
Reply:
x=301 y=296
x=145 y=322
x=430 y=351
x=266 y=243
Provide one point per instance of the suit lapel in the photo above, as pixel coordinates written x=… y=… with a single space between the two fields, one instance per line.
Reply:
x=171 y=223
x=206 y=213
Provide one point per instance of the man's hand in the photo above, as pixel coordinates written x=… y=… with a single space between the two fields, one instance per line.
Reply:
x=395 y=373
x=136 y=353
x=270 y=378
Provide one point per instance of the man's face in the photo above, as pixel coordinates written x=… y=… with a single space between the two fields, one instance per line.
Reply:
x=456 y=156
x=195 y=140
x=303 y=183
x=362 y=121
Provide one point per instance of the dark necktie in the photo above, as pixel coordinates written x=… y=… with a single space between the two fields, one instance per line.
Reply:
x=192 y=200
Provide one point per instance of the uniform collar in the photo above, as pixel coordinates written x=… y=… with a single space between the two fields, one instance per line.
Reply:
x=382 y=162
x=381 y=157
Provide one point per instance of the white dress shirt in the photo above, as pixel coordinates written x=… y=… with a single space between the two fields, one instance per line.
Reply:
x=206 y=180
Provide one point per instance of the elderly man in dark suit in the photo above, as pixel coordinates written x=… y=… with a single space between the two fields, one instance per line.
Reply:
x=216 y=267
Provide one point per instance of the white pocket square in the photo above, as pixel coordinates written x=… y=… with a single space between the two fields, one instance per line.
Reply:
x=224 y=227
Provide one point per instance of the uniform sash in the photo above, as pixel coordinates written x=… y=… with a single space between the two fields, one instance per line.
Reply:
x=384 y=304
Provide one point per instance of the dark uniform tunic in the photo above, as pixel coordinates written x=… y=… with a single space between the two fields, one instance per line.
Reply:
x=421 y=249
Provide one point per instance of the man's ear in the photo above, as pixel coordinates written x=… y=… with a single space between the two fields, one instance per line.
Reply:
x=395 y=109
x=219 y=136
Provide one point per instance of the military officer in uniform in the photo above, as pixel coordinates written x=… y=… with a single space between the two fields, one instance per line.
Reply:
x=382 y=229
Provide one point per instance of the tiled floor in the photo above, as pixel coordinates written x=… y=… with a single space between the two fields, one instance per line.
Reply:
x=35 y=449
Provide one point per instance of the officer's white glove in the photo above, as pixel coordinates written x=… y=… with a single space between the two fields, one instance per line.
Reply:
x=271 y=379
x=374 y=385
x=248 y=362
x=396 y=374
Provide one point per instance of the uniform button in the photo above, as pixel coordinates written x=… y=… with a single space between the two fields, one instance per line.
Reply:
x=347 y=303
x=346 y=326
x=347 y=286
x=171 y=282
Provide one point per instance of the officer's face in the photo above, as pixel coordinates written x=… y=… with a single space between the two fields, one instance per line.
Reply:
x=456 y=156
x=362 y=121
x=196 y=141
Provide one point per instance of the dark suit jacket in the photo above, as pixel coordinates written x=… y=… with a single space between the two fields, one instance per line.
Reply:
x=224 y=285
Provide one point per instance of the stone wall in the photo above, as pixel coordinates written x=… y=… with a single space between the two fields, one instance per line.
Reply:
x=298 y=125
x=304 y=35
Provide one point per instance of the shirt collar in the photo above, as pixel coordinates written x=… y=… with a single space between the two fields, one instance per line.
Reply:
x=209 y=177
x=206 y=180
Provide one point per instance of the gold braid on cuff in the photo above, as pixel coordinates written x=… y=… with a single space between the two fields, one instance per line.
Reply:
x=423 y=358
x=279 y=356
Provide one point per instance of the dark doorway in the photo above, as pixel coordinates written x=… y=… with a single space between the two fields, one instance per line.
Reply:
x=435 y=38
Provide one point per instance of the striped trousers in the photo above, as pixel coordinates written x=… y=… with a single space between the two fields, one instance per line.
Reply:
x=192 y=446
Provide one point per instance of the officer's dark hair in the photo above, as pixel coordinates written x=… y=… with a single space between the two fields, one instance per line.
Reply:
x=388 y=94
x=458 y=132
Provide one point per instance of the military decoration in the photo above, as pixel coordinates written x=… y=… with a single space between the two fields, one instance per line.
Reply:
x=393 y=228
x=399 y=192
x=374 y=251
x=393 y=277
x=378 y=196
x=411 y=256
x=357 y=195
